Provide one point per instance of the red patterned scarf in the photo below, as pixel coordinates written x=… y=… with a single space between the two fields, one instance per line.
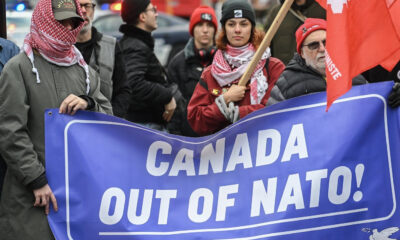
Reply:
x=52 y=40
x=229 y=65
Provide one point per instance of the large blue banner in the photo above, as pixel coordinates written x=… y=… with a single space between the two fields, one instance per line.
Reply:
x=289 y=171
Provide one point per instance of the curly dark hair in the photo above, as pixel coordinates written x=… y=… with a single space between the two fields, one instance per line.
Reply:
x=256 y=38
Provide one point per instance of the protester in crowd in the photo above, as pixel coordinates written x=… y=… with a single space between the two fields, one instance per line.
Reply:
x=49 y=73
x=217 y=100
x=283 y=45
x=262 y=8
x=152 y=103
x=8 y=50
x=379 y=74
x=186 y=67
x=104 y=55
x=305 y=73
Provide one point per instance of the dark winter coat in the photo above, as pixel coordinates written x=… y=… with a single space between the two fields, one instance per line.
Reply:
x=379 y=74
x=185 y=70
x=23 y=102
x=299 y=79
x=283 y=45
x=146 y=76
x=8 y=50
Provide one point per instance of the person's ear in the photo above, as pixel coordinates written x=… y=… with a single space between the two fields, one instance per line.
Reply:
x=142 y=17
x=301 y=52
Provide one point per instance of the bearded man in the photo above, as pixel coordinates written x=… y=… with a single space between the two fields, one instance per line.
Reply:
x=49 y=73
x=305 y=73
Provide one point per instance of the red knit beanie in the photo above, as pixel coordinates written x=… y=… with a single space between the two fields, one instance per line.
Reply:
x=203 y=13
x=309 y=26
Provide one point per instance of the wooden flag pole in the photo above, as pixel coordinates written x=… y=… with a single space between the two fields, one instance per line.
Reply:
x=265 y=42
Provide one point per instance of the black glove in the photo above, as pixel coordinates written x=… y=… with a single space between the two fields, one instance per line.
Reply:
x=394 y=96
x=89 y=100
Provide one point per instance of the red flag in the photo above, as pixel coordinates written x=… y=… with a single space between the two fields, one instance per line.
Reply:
x=361 y=34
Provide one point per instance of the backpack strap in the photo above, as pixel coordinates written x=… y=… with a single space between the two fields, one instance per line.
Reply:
x=203 y=84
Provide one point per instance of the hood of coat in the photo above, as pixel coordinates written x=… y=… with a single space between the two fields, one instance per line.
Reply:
x=189 y=49
x=134 y=32
x=193 y=55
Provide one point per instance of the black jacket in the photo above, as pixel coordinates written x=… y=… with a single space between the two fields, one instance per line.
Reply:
x=186 y=67
x=379 y=74
x=299 y=79
x=185 y=70
x=146 y=76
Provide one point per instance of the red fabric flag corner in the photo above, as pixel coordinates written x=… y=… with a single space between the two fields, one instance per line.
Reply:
x=361 y=34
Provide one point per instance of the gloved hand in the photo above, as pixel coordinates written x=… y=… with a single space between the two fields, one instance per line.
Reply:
x=394 y=96
x=231 y=112
x=234 y=112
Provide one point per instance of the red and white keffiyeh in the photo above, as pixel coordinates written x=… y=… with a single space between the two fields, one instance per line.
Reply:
x=52 y=40
x=231 y=64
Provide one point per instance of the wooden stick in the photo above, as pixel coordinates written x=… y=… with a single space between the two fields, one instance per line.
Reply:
x=265 y=42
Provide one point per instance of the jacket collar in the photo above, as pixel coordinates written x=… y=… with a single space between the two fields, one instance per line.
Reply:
x=96 y=35
x=299 y=64
x=191 y=54
x=189 y=49
x=134 y=32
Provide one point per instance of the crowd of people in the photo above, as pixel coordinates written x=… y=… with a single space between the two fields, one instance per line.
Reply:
x=66 y=63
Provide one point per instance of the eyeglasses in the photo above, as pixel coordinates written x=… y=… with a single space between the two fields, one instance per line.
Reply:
x=153 y=9
x=315 y=45
x=88 y=6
